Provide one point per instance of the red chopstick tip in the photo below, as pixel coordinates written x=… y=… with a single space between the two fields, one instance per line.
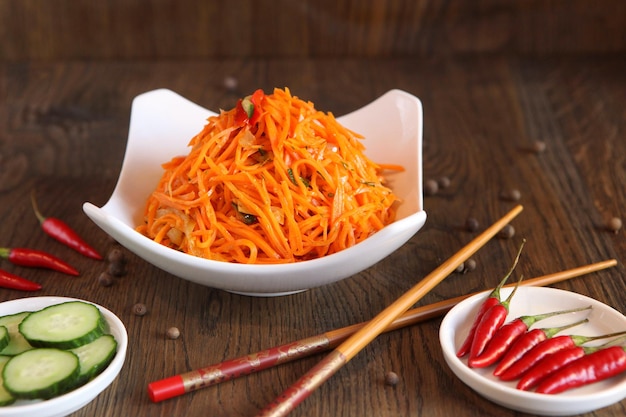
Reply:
x=166 y=388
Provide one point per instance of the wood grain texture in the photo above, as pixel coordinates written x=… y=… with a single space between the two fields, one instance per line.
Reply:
x=63 y=128
x=170 y=29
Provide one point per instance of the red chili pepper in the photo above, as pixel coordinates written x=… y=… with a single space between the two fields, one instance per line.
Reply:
x=549 y=365
x=506 y=335
x=36 y=259
x=14 y=282
x=596 y=366
x=544 y=349
x=493 y=319
x=492 y=300
x=528 y=341
x=61 y=231
x=249 y=108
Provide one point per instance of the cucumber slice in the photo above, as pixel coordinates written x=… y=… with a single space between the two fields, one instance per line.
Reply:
x=17 y=343
x=4 y=337
x=5 y=396
x=64 y=326
x=41 y=373
x=94 y=357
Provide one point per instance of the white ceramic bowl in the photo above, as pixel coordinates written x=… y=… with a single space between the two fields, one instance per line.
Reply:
x=535 y=300
x=161 y=125
x=78 y=398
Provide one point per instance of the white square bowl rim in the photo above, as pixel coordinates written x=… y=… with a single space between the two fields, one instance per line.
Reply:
x=163 y=113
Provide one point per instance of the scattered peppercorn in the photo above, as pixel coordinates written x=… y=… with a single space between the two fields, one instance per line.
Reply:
x=460 y=268
x=511 y=195
x=431 y=187
x=116 y=255
x=538 y=146
x=470 y=265
x=105 y=279
x=614 y=225
x=507 y=232
x=140 y=309
x=443 y=182
x=391 y=378
x=116 y=269
x=230 y=83
x=471 y=224
x=173 y=333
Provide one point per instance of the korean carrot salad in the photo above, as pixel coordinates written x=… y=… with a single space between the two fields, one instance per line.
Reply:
x=272 y=180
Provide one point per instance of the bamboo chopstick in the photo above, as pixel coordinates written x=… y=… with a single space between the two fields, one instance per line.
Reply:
x=233 y=368
x=343 y=353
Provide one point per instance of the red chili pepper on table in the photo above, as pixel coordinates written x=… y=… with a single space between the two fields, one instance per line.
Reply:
x=594 y=367
x=506 y=335
x=549 y=365
x=544 y=349
x=62 y=232
x=14 y=282
x=528 y=341
x=492 y=300
x=36 y=259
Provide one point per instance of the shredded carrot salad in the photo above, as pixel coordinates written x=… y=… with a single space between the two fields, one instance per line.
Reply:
x=271 y=181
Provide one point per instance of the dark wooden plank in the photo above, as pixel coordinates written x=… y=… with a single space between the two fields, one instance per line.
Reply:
x=157 y=29
x=63 y=131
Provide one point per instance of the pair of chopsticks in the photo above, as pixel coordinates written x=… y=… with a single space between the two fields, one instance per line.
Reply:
x=348 y=341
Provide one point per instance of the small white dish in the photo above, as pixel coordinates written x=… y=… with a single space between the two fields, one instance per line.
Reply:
x=536 y=300
x=161 y=125
x=80 y=397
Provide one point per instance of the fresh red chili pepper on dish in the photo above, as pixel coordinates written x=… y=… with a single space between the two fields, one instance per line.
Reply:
x=594 y=367
x=544 y=349
x=493 y=319
x=549 y=365
x=506 y=335
x=14 y=282
x=249 y=108
x=36 y=259
x=61 y=231
x=528 y=341
x=492 y=300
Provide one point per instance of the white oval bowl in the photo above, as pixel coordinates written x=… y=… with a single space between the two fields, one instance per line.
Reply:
x=74 y=400
x=161 y=125
x=529 y=301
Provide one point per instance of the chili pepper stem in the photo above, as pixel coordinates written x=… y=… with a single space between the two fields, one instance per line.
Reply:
x=579 y=340
x=530 y=320
x=551 y=331
x=507 y=302
x=496 y=291
x=35 y=206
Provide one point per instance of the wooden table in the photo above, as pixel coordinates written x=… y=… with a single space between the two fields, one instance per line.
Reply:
x=63 y=129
